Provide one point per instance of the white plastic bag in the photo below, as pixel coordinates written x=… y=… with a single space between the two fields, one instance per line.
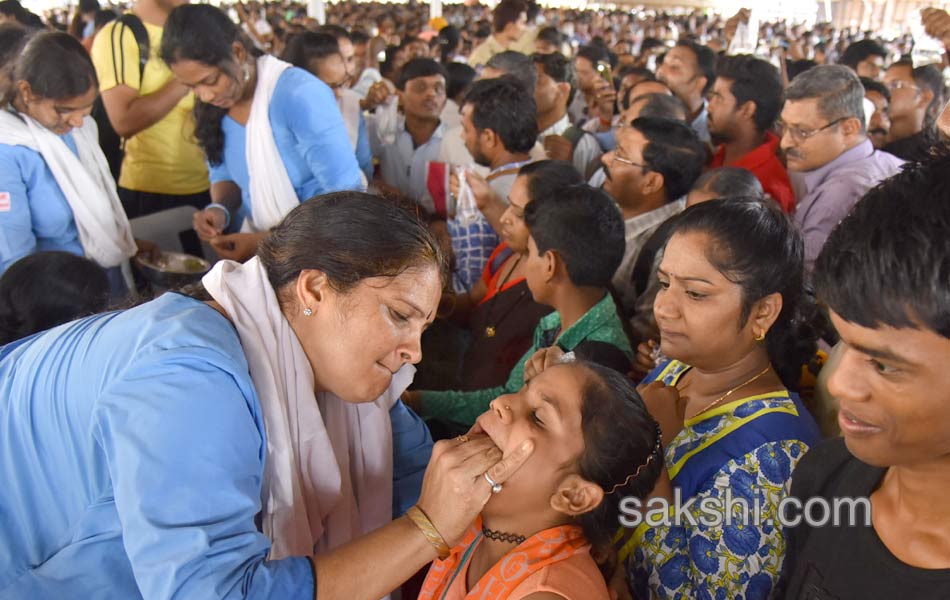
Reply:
x=387 y=121
x=466 y=211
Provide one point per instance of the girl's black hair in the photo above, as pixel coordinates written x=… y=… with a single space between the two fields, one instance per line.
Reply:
x=205 y=34
x=55 y=65
x=622 y=449
x=46 y=289
x=756 y=246
x=12 y=39
x=308 y=46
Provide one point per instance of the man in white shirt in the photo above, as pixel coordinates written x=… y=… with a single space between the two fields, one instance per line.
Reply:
x=649 y=174
x=403 y=164
x=552 y=94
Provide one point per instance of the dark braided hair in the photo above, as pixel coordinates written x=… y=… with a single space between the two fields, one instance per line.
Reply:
x=205 y=34
x=622 y=449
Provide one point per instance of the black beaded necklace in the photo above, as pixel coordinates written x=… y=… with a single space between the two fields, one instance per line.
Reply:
x=501 y=536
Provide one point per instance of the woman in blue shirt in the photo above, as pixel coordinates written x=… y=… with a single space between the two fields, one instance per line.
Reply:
x=142 y=458
x=207 y=52
x=56 y=192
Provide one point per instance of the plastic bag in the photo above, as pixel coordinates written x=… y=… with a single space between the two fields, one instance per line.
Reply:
x=387 y=121
x=466 y=211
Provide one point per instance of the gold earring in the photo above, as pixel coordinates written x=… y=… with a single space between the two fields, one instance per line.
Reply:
x=759 y=336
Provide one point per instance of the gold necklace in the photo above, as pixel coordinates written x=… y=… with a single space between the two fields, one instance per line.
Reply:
x=738 y=387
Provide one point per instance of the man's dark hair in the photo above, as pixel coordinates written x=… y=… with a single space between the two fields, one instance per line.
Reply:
x=419 y=67
x=644 y=73
x=650 y=43
x=583 y=225
x=359 y=37
x=336 y=31
x=662 y=106
x=460 y=77
x=593 y=54
x=895 y=243
x=559 y=68
x=797 y=67
x=482 y=29
x=927 y=77
x=871 y=85
x=505 y=107
x=550 y=35
x=674 y=151
x=705 y=59
x=507 y=11
x=754 y=80
x=548 y=177
x=859 y=51
x=556 y=66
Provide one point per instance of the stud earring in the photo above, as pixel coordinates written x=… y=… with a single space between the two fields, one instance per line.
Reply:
x=247 y=74
x=307 y=312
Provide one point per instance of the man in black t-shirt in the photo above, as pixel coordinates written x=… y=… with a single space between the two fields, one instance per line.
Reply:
x=885 y=275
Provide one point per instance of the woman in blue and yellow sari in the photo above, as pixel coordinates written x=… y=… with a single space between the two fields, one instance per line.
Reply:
x=728 y=311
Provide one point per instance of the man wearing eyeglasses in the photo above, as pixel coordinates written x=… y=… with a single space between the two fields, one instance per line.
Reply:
x=648 y=175
x=826 y=143
x=916 y=96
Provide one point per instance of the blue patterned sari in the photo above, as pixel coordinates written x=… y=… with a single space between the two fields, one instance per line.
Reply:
x=746 y=450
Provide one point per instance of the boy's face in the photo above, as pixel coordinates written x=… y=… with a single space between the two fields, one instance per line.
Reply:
x=424 y=97
x=537 y=272
x=547 y=410
x=892 y=387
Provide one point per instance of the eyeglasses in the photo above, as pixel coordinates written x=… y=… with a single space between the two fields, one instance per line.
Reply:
x=800 y=135
x=627 y=161
x=900 y=85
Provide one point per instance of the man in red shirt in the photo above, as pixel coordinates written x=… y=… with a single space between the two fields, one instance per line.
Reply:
x=744 y=102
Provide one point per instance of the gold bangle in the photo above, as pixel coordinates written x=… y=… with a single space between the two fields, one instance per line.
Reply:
x=432 y=534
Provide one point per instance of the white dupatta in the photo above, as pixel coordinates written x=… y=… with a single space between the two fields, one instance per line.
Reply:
x=272 y=193
x=328 y=467
x=85 y=181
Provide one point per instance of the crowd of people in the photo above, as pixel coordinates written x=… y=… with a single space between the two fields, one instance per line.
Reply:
x=485 y=286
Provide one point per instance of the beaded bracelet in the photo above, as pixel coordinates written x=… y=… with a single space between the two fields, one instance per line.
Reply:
x=432 y=534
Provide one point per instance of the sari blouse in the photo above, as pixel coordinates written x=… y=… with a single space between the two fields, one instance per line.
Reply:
x=745 y=449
